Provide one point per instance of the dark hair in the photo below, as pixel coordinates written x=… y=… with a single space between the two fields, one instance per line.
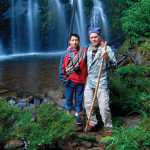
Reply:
x=76 y=35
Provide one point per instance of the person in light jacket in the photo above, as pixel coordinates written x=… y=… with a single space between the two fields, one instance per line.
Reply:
x=95 y=52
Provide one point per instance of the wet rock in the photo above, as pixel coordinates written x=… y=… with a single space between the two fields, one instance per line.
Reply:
x=14 y=144
x=30 y=100
x=78 y=128
x=55 y=95
x=61 y=102
x=2 y=91
x=81 y=135
x=99 y=137
x=32 y=107
x=37 y=101
x=22 y=103
x=12 y=102
x=131 y=121
x=74 y=144
x=87 y=144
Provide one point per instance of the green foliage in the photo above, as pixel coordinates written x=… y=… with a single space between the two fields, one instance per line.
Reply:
x=89 y=138
x=136 y=20
x=145 y=48
x=117 y=121
x=8 y=116
x=87 y=6
x=52 y=125
x=122 y=49
x=126 y=138
x=107 y=139
x=114 y=11
x=48 y=18
x=4 y=6
x=145 y=52
x=129 y=90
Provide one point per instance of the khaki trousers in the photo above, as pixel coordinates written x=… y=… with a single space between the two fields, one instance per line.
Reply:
x=103 y=100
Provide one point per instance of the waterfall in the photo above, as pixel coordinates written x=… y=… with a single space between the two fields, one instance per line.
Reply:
x=62 y=27
x=30 y=26
x=71 y=2
x=36 y=26
x=1 y=48
x=99 y=18
x=13 y=26
x=24 y=27
x=19 y=26
x=81 y=23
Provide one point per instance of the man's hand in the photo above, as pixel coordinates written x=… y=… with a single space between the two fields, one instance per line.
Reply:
x=104 y=54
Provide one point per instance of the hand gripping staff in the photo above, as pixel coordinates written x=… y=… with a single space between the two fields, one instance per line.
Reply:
x=96 y=89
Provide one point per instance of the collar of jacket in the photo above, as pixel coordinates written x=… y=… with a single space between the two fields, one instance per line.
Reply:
x=75 y=51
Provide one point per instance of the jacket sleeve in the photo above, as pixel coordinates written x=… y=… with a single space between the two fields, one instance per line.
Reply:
x=62 y=68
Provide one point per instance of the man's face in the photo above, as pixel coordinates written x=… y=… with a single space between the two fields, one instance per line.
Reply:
x=95 y=39
x=74 y=42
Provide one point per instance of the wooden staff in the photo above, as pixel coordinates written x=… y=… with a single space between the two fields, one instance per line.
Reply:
x=96 y=89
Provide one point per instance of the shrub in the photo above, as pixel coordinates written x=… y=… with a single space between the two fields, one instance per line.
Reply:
x=136 y=20
x=129 y=90
x=127 y=138
x=52 y=125
x=8 y=116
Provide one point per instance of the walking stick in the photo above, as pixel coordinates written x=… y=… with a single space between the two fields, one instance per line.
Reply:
x=96 y=89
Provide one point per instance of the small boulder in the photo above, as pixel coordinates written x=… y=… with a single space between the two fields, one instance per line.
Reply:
x=55 y=95
x=14 y=144
x=87 y=144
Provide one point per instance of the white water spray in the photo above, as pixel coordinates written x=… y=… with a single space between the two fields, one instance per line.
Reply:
x=13 y=26
x=1 y=48
x=80 y=23
x=30 y=26
x=99 y=18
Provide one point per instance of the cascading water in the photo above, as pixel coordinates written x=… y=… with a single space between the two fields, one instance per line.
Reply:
x=25 y=26
x=79 y=24
x=62 y=26
x=13 y=26
x=20 y=29
x=99 y=18
x=36 y=26
x=24 y=32
x=1 y=48
x=32 y=24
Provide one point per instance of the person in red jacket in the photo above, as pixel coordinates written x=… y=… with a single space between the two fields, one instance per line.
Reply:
x=73 y=74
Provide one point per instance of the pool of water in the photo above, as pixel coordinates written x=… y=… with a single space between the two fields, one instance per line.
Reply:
x=28 y=75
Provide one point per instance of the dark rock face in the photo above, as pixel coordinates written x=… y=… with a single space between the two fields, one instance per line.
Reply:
x=64 y=1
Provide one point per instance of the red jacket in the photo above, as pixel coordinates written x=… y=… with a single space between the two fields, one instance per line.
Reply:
x=79 y=78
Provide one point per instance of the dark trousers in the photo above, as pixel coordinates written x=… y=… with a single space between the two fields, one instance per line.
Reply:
x=79 y=90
